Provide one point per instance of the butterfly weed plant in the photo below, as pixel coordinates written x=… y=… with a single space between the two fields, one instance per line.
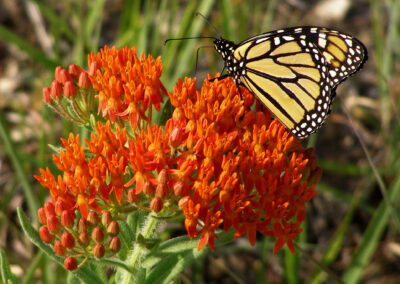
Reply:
x=219 y=162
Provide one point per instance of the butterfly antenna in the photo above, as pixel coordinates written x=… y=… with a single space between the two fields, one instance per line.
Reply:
x=184 y=38
x=209 y=23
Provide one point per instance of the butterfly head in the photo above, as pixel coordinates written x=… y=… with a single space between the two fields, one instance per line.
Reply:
x=224 y=47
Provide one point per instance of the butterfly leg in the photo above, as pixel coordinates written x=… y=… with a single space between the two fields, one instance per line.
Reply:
x=219 y=78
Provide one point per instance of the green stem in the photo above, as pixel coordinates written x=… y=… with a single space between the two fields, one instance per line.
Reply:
x=148 y=230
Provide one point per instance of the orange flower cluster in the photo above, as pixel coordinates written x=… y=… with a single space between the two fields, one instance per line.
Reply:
x=91 y=185
x=250 y=173
x=126 y=86
x=217 y=160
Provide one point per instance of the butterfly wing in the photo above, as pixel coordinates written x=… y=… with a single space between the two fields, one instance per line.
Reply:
x=294 y=72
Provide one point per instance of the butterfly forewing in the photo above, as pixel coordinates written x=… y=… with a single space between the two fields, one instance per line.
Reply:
x=294 y=72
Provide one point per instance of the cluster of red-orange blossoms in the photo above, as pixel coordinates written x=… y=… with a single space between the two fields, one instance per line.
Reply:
x=216 y=160
x=127 y=86
x=93 y=186
x=247 y=171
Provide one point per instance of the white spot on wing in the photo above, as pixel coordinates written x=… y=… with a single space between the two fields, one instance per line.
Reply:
x=322 y=42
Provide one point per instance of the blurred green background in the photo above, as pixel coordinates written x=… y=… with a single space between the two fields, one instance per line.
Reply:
x=352 y=225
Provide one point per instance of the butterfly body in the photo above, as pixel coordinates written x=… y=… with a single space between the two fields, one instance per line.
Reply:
x=294 y=72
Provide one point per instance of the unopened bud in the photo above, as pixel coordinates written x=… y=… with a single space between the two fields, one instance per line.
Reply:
x=113 y=228
x=156 y=204
x=67 y=218
x=84 y=238
x=62 y=75
x=70 y=263
x=97 y=235
x=84 y=81
x=94 y=66
x=56 y=89
x=148 y=188
x=59 y=207
x=74 y=70
x=162 y=190
x=45 y=235
x=162 y=176
x=67 y=240
x=59 y=249
x=132 y=196
x=106 y=218
x=49 y=208
x=42 y=216
x=175 y=138
x=179 y=188
x=115 y=244
x=53 y=224
x=69 y=89
x=82 y=225
x=93 y=218
x=99 y=251
x=46 y=95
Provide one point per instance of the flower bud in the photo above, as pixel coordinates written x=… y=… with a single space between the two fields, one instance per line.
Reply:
x=69 y=89
x=94 y=66
x=156 y=204
x=57 y=72
x=62 y=76
x=84 y=238
x=162 y=176
x=59 y=249
x=67 y=240
x=93 y=218
x=70 y=263
x=115 y=244
x=82 y=225
x=49 y=208
x=56 y=89
x=113 y=228
x=148 y=188
x=45 y=235
x=53 y=224
x=99 y=251
x=42 y=216
x=132 y=196
x=162 y=190
x=59 y=207
x=106 y=218
x=46 y=95
x=84 y=81
x=97 y=235
x=179 y=188
x=177 y=115
x=67 y=218
x=175 y=138
x=74 y=70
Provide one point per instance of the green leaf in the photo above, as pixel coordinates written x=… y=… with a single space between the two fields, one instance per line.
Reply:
x=173 y=265
x=6 y=275
x=180 y=245
x=22 y=176
x=371 y=237
x=84 y=273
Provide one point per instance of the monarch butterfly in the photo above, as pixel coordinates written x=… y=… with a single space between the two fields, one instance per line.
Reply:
x=294 y=72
